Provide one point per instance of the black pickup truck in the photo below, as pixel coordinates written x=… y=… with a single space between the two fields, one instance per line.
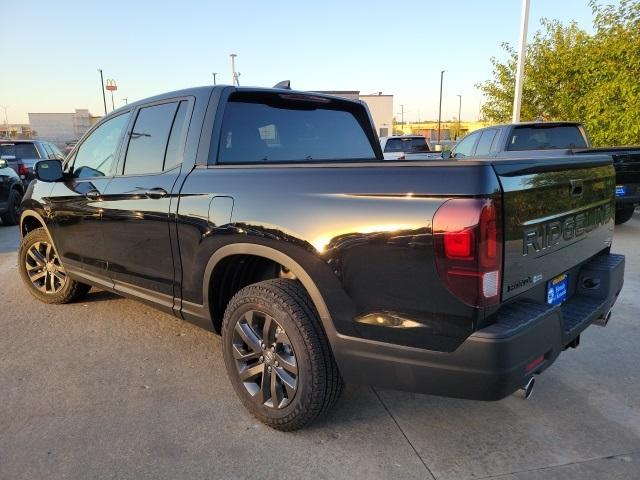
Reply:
x=540 y=139
x=269 y=216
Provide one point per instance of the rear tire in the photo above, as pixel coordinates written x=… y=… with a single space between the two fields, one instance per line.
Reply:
x=277 y=355
x=12 y=215
x=624 y=214
x=42 y=272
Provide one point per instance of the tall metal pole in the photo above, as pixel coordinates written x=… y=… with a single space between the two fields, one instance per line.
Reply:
x=402 y=116
x=125 y=100
x=440 y=106
x=524 y=25
x=104 y=97
x=6 y=122
x=234 y=76
x=113 y=106
x=214 y=77
x=459 y=113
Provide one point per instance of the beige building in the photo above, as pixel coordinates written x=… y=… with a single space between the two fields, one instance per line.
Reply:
x=60 y=128
x=380 y=106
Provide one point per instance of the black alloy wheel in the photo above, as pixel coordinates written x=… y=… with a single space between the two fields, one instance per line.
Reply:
x=265 y=359
x=44 y=268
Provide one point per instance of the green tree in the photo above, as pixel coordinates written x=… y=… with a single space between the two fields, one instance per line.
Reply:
x=574 y=75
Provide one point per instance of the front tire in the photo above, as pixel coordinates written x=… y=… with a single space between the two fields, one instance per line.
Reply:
x=42 y=272
x=277 y=355
x=624 y=214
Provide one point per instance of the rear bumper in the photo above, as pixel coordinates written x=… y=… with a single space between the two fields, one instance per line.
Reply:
x=493 y=362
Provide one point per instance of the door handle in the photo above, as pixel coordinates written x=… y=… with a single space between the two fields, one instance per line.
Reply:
x=92 y=194
x=156 y=193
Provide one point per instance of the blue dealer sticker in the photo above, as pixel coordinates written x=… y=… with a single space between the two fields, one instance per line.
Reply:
x=557 y=289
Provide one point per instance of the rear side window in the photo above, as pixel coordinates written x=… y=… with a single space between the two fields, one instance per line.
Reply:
x=19 y=150
x=292 y=128
x=547 y=137
x=149 y=138
x=406 y=145
x=484 y=144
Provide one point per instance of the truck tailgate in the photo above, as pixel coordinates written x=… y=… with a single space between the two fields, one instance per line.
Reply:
x=558 y=212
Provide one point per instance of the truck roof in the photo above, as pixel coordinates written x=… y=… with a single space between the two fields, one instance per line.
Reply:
x=207 y=90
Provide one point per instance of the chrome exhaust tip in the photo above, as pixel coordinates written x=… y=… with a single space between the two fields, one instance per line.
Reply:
x=525 y=392
x=603 y=320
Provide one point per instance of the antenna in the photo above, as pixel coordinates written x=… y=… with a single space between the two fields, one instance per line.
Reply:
x=286 y=84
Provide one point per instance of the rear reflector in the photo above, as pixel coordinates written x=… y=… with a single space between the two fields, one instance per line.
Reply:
x=533 y=364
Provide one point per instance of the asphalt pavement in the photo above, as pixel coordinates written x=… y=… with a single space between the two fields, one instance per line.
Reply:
x=108 y=388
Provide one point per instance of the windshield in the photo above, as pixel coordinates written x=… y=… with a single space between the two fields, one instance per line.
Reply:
x=409 y=144
x=547 y=137
x=19 y=150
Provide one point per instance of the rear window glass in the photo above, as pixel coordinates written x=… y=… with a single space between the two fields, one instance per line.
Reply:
x=19 y=150
x=546 y=138
x=274 y=128
x=418 y=144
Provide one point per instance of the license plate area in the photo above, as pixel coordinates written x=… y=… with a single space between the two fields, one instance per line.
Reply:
x=557 y=289
x=621 y=190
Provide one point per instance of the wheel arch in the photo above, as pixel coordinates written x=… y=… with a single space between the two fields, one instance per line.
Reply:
x=275 y=255
x=30 y=220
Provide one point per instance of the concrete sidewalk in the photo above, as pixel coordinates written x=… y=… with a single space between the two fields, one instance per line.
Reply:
x=110 y=388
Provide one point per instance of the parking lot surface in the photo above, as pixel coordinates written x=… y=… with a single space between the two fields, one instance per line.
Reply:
x=110 y=388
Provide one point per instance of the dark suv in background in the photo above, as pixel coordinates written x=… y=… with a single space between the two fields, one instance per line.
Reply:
x=22 y=155
x=11 y=192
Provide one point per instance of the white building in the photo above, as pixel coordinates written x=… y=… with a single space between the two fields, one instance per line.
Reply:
x=60 y=128
x=380 y=106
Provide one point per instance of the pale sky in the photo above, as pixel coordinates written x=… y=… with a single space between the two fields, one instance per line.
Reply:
x=51 y=50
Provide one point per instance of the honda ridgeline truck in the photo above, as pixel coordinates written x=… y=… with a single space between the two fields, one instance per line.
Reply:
x=269 y=216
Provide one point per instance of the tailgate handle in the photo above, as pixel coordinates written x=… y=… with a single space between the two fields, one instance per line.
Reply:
x=576 y=188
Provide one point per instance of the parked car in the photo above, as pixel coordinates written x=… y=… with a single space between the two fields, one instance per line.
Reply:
x=271 y=217
x=11 y=191
x=23 y=154
x=398 y=147
x=552 y=138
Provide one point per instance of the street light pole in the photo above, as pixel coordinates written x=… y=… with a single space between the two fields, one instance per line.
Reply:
x=104 y=97
x=6 y=121
x=440 y=106
x=214 y=77
x=524 y=25
x=459 y=113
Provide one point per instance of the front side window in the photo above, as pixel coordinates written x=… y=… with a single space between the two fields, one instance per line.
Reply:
x=48 y=151
x=149 y=138
x=465 y=147
x=276 y=128
x=56 y=151
x=95 y=156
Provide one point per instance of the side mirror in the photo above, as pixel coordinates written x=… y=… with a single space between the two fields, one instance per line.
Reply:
x=3 y=163
x=446 y=154
x=49 y=170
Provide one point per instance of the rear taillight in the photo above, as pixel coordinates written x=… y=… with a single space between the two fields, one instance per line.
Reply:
x=22 y=170
x=467 y=238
